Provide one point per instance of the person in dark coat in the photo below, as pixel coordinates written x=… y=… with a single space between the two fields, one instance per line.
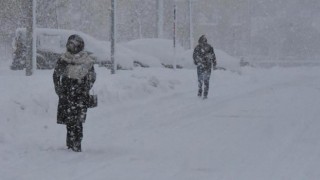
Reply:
x=73 y=77
x=205 y=59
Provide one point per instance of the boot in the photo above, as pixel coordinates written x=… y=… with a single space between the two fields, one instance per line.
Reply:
x=76 y=147
x=205 y=95
x=68 y=139
x=200 y=93
x=78 y=134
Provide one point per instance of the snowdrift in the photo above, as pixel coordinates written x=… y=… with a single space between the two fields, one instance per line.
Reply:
x=141 y=52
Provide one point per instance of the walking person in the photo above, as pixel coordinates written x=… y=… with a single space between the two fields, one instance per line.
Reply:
x=205 y=59
x=73 y=77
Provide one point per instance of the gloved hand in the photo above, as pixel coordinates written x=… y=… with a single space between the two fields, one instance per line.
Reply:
x=214 y=63
x=196 y=60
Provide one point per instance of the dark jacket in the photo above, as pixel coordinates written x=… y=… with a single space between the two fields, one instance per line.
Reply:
x=203 y=54
x=73 y=93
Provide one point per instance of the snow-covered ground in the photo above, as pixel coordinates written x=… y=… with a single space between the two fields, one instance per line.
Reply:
x=260 y=124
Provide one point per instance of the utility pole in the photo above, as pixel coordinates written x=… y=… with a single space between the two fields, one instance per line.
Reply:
x=31 y=37
x=174 y=33
x=113 y=35
x=34 y=35
x=250 y=31
x=29 y=30
x=191 y=24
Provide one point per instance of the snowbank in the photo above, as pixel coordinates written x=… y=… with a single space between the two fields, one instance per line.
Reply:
x=146 y=52
x=162 y=50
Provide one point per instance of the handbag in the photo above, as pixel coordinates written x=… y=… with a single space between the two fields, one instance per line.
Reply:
x=93 y=100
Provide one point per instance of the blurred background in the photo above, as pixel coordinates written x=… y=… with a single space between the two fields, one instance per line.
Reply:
x=254 y=30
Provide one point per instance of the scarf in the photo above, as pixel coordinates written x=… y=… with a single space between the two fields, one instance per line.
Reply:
x=78 y=65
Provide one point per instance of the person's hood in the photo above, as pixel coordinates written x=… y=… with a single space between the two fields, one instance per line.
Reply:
x=202 y=40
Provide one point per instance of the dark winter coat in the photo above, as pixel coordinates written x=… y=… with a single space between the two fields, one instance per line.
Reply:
x=73 y=77
x=203 y=55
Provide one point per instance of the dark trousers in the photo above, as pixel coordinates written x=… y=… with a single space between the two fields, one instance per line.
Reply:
x=74 y=136
x=203 y=79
